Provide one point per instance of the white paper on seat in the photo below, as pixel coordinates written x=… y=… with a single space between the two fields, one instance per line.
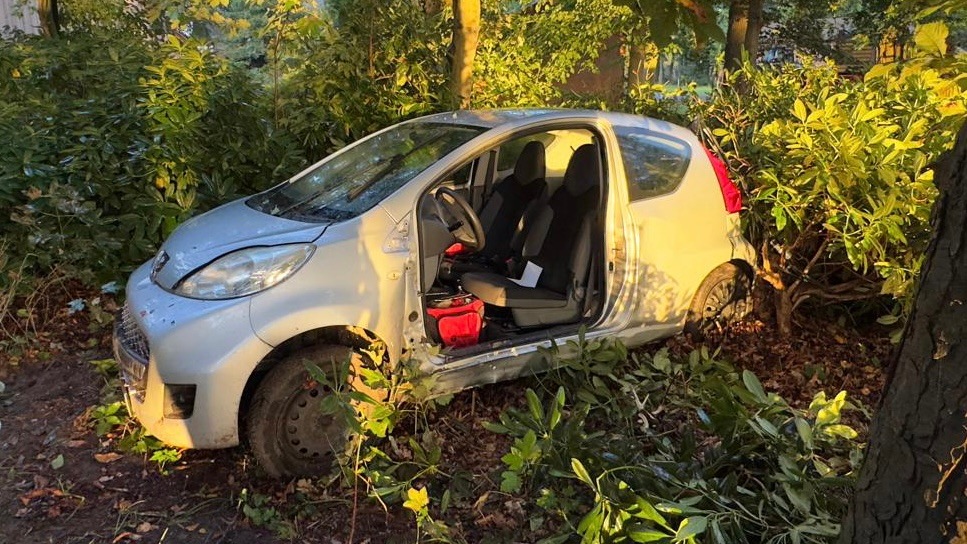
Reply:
x=531 y=274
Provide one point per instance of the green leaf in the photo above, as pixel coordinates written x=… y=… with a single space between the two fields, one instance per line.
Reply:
x=648 y=512
x=331 y=405
x=690 y=528
x=646 y=535
x=887 y=319
x=844 y=431
x=374 y=379
x=797 y=498
x=528 y=445
x=555 y=416
x=805 y=432
x=931 y=38
x=57 y=462
x=830 y=413
x=767 y=426
x=780 y=216
x=495 y=427
x=754 y=386
x=378 y=427
x=513 y=460
x=534 y=404
x=799 y=110
x=509 y=481
x=586 y=396
x=582 y=473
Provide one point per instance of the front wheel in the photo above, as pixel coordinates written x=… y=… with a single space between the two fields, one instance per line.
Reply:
x=287 y=429
x=725 y=296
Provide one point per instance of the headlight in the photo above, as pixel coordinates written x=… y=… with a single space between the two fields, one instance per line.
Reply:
x=245 y=271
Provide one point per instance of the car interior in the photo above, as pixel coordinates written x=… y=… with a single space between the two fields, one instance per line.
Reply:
x=511 y=242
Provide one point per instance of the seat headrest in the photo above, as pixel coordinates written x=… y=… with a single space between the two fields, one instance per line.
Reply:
x=583 y=170
x=530 y=163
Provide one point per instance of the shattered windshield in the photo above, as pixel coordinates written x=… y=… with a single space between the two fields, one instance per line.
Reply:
x=363 y=174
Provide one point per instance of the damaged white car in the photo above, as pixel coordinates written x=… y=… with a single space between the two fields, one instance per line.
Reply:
x=487 y=234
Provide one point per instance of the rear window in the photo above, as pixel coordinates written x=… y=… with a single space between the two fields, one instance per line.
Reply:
x=654 y=163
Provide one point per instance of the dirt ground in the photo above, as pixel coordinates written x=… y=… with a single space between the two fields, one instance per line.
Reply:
x=85 y=500
x=60 y=482
x=97 y=495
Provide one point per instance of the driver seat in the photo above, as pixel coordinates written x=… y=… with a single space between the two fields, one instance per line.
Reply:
x=507 y=209
x=559 y=241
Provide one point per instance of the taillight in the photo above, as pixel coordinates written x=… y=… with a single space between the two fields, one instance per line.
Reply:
x=730 y=193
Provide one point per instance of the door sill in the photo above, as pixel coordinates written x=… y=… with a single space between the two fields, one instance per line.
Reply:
x=503 y=343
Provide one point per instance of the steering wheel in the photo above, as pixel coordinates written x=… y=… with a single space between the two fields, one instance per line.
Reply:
x=466 y=227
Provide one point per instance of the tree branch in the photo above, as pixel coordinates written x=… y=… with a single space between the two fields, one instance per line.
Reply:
x=816 y=256
x=766 y=273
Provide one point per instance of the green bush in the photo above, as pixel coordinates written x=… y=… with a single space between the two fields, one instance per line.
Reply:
x=68 y=117
x=373 y=64
x=110 y=141
x=207 y=128
x=524 y=58
x=839 y=172
x=662 y=450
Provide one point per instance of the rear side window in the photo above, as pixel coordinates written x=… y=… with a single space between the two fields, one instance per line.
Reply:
x=654 y=163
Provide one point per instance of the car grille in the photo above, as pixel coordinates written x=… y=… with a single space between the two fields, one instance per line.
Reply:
x=131 y=352
x=131 y=337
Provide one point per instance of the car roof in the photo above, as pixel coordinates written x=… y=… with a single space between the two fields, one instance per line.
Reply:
x=508 y=118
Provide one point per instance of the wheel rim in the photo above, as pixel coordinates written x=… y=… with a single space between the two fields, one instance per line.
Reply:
x=727 y=301
x=304 y=430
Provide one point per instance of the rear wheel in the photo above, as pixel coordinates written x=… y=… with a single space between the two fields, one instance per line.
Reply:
x=287 y=429
x=725 y=296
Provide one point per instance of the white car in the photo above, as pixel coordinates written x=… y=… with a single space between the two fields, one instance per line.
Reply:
x=486 y=234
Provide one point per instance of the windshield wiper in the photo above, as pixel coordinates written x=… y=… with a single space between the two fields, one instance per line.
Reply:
x=304 y=203
x=300 y=203
x=395 y=161
x=350 y=196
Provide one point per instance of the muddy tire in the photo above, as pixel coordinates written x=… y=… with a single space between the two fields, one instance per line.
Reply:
x=725 y=296
x=287 y=430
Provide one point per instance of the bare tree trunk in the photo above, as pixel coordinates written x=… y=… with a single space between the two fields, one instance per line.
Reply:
x=49 y=17
x=641 y=63
x=912 y=487
x=735 y=37
x=784 y=311
x=753 y=29
x=466 y=31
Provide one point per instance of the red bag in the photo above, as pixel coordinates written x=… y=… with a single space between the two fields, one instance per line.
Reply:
x=459 y=323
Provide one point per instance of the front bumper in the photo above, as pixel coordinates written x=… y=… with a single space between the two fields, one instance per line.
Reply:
x=208 y=344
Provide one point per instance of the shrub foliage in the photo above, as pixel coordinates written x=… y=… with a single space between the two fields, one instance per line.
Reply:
x=840 y=172
x=617 y=447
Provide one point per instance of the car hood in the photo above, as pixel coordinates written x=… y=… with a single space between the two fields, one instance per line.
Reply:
x=234 y=226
